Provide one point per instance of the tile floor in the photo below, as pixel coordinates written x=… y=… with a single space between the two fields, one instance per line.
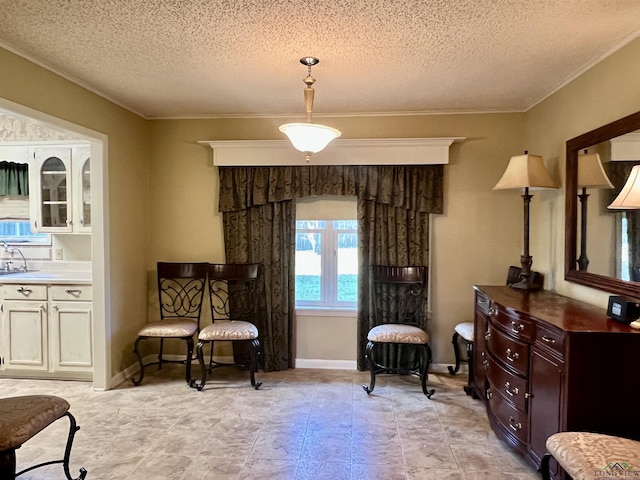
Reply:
x=302 y=424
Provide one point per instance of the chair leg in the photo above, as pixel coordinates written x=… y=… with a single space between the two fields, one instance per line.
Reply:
x=160 y=354
x=189 y=341
x=203 y=370
x=456 y=351
x=8 y=464
x=372 y=368
x=544 y=467
x=141 y=372
x=73 y=428
x=468 y=389
x=255 y=354
x=424 y=374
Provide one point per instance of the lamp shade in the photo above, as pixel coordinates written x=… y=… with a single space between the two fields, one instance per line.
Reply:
x=629 y=196
x=591 y=173
x=309 y=137
x=525 y=171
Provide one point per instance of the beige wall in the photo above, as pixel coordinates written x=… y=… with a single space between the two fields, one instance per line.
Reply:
x=608 y=91
x=27 y=84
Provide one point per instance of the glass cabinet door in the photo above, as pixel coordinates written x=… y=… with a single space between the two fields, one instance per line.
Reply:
x=86 y=194
x=55 y=201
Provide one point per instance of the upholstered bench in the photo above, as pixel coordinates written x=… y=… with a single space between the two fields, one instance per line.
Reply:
x=585 y=456
x=23 y=417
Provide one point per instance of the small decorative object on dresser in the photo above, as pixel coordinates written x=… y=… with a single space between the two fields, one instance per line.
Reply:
x=547 y=363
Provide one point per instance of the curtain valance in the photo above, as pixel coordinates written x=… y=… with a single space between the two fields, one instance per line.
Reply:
x=416 y=188
x=14 y=178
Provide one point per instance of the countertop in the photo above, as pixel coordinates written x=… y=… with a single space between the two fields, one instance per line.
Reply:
x=46 y=277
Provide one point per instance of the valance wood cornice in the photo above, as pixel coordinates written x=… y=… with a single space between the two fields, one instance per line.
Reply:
x=372 y=151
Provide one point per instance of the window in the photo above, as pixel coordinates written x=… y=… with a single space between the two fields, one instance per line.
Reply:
x=327 y=263
x=19 y=232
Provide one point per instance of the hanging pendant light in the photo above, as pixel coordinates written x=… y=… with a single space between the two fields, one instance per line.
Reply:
x=309 y=137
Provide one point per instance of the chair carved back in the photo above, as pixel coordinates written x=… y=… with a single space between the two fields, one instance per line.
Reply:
x=399 y=294
x=181 y=287
x=234 y=291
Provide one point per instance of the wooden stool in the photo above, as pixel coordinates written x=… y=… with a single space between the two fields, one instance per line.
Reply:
x=23 y=417
x=585 y=456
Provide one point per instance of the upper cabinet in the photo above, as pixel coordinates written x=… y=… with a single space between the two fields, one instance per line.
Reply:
x=60 y=189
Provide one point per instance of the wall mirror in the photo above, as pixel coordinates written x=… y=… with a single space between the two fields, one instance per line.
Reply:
x=610 y=238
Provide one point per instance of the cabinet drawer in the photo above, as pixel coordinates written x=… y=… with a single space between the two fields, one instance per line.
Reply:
x=510 y=386
x=508 y=350
x=550 y=338
x=482 y=302
x=71 y=292
x=513 y=323
x=514 y=421
x=24 y=292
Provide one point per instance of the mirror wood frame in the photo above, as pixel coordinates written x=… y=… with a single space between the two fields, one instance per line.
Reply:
x=574 y=146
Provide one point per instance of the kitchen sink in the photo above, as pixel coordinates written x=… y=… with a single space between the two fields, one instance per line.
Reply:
x=13 y=272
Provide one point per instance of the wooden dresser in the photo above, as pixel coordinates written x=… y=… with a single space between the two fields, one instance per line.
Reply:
x=544 y=363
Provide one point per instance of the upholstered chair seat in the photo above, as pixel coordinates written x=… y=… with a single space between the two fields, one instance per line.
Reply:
x=228 y=330
x=465 y=330
x=585 y=456
x=176 y=328
x=21 y=418
x=397 y=333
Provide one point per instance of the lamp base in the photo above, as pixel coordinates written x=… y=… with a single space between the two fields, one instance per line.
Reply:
x=523 y=285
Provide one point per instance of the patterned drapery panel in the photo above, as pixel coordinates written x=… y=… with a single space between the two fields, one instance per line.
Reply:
x=394 y=203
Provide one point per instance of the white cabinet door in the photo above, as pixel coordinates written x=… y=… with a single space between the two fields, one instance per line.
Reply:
x=25 y=334
x=81 y=188
x=50 y=190
x=71 y=336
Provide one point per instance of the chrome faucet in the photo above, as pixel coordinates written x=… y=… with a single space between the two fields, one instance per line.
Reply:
x=6 y=266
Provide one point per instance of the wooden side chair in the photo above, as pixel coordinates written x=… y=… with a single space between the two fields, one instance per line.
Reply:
x=398 y=297
x=21 y=418
x=235 y=294
x=181 y=288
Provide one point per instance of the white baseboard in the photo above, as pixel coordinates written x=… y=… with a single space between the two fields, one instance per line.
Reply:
x=326 y=364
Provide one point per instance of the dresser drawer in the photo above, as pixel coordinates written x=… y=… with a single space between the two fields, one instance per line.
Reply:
x=550 y=338
x=71 y=292
x=513 y=323
x=24 y=292
x=512 y=387
x=514 y=421
x=508 y=350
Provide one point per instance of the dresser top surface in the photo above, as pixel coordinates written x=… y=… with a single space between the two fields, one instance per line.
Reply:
x=563 y=312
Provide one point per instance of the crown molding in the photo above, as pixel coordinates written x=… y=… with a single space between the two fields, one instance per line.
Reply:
x=371 y=151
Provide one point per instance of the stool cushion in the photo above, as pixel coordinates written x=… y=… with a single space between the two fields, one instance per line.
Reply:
x=397 y=333
x=170 y=327
x=228 y=330
x=465 y=330
x=584 y=455
x=22 y=417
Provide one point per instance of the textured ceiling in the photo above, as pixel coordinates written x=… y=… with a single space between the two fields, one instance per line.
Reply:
x=191 y=58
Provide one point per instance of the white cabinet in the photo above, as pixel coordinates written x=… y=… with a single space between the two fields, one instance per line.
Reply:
x=47 y=331
x=71 y=327
x=60 y=189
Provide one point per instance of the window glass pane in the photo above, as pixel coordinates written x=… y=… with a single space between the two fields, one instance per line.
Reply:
x=345 y=225
x=311 y=225
x=20 y=232
x=347 y=267
x=308 y=266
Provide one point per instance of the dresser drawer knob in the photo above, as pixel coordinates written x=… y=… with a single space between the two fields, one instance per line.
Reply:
x=512 y=356
x=514 y=426
x=489 y=394
x=511 y=392
x=73 y=291
x=548 y=339
x=517 y=327
x=485 y=363
x=25 y=291
x=487 y=336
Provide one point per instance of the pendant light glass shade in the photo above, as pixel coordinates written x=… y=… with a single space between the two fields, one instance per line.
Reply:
x=309 y=137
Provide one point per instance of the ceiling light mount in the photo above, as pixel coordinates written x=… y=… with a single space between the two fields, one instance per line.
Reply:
x=309 y=137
